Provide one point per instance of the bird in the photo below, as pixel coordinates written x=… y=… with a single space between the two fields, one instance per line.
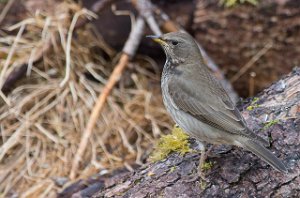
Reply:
x=199 y=104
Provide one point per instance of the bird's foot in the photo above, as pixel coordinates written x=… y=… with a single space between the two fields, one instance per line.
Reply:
x=201 y=172
x=203 y=166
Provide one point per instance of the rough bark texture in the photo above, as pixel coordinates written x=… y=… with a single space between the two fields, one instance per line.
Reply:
x=235 y=172
x=233 y=36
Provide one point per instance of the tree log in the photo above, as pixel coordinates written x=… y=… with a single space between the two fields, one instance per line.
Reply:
x=274 y=115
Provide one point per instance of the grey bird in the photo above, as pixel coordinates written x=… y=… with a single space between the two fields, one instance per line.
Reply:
x=199 y=104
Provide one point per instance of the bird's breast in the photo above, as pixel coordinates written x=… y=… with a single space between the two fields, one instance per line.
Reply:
x=187 y=122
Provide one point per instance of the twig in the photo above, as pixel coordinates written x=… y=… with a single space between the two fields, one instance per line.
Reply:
x=8 y=59
x=128 y=52
x=6 y=9
x=69 y=39
x=251 y=62
x=146 y=8
x=96 y=7
x=11 y=141
x=10 y=54
x=123 y=13
x=135 y=37
x=20 y=71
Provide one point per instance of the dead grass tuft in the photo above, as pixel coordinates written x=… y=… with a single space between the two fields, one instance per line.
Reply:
x=42 y=120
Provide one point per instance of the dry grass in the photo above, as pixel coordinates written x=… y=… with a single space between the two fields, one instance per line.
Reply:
x=42 y=120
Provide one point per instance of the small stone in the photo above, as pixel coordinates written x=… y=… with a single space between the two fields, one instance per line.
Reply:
x=60 y=181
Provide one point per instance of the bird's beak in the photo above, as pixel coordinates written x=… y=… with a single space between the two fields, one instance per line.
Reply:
x=157 y=39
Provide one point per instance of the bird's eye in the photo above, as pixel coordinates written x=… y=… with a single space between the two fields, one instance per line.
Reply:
x=174 y=42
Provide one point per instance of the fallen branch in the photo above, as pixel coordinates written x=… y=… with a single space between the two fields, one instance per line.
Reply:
x=231 y=172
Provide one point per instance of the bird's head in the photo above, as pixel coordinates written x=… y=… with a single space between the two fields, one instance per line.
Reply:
x=179 y=47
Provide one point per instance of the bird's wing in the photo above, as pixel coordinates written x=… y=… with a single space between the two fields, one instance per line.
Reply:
x=211 y=106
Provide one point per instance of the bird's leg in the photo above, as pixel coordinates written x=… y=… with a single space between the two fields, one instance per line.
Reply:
x=202 y=160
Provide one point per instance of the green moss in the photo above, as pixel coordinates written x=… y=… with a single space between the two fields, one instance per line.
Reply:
x=251 y=107
x=253 y=104
x=207 y=166
x=175 y=142
x=255 y=100
x=270 y=123
x=137 y=181
x=232 y=3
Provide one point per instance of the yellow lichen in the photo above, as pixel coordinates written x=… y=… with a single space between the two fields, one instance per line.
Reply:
x=177 y=141
x=253 y=104
x=232 y=3
x=207 y=165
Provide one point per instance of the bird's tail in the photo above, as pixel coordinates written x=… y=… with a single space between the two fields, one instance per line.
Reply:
x=264 y=154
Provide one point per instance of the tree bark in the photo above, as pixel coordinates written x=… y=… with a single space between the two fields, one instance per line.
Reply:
x=234 y=172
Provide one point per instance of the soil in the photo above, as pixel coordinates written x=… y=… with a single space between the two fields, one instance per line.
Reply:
x=232 y=36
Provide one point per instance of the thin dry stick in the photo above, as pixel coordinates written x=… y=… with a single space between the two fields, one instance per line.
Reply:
x=251 y=62
x=6 y=9
x=8 y=59
x=146 y=8
x=128 y=52
x=69 y=39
